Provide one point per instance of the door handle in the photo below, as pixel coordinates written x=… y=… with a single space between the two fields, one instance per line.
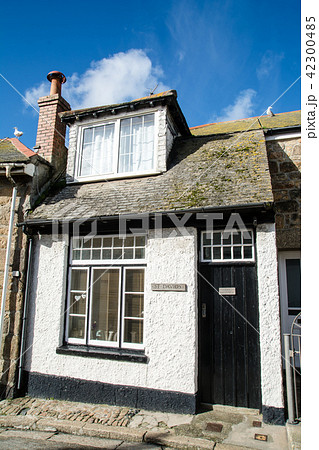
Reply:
x=204 y=310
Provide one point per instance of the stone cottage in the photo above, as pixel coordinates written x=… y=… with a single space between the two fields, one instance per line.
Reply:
x=154 y=270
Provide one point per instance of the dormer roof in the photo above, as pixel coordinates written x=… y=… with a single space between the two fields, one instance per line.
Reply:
x=168 y=98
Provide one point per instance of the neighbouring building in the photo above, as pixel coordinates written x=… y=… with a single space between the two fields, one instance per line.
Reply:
x=154 y=270
x=22 y=174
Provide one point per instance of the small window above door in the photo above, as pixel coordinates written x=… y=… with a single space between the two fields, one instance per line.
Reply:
x=227 y=246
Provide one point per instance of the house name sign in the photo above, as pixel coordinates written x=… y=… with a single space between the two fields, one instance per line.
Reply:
x=179 y=287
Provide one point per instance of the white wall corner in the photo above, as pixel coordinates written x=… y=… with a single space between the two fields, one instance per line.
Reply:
x=269 y=317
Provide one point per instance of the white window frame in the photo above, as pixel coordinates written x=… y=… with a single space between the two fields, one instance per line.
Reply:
x=90 y=265
x=283 y=288
x=101 y=343
x=107 y=262
x=126 y=344
x=231 y=260
x=71 y=340
x=117 y=122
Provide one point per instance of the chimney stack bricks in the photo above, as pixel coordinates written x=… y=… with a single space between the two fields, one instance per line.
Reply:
x=51 y=131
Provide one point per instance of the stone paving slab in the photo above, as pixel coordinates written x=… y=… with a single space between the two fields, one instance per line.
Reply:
x=179 y=431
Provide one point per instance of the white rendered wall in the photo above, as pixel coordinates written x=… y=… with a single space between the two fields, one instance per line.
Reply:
x=269 y=317
x=170 y=319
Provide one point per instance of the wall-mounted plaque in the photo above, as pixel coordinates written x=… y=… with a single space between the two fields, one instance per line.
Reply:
x=227 y=291
x=179 y=287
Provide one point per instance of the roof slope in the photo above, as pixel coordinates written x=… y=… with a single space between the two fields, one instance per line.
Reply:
x=212 y=171
x=281 y=120
x=13 y=151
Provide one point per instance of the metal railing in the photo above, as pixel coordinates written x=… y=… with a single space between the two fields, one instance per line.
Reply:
x=292 y=343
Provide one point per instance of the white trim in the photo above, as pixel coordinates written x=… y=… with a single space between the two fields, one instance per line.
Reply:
x=67 y=338
x=127 y=344
x=283 y=136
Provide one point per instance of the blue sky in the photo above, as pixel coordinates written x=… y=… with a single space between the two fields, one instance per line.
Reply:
x=226 y=59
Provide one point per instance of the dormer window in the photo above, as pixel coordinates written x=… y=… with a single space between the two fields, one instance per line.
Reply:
x=122 y=146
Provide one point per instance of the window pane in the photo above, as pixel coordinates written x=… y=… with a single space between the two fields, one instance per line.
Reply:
x=107 y=242
x=139 y=253
x=129 y=241
x=248 y=252
x=206 y=238
x=227 y=252
x=118 y=242
x=97 y=150
x=293 y=283
x=247 y=239
x=76 y=254
x=217 y=253
x=207 y=253
x=136 y=144
x=76 y=327
x=133 y=331
x=140 y=241
x=97 y=243
x=106 y=254
x=134 y=280
x=105 y=304
x=227 y=238
x=128 y=253
x=237 y=252
x=77 y=303
x=237 y=237
x=78 y=280
x=217 y=238
x=134 y=305
x=118 y=253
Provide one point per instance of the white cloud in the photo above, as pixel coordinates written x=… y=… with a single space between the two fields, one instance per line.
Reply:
x=269 y=64
x=119 y=78
x=242 y=107
x=32 y=95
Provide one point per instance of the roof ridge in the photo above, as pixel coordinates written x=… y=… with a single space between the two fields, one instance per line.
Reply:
x=239 y=120
x=21 y=147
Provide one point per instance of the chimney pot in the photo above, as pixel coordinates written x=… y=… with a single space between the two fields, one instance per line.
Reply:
x=56 y=79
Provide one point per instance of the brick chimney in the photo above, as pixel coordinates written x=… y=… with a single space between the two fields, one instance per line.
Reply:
x=51 y=131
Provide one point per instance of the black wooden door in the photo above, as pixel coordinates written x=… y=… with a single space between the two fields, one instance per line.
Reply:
x=229 y=355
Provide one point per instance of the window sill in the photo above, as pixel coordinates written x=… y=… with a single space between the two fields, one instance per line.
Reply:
x=103 y=353
x=110 y=177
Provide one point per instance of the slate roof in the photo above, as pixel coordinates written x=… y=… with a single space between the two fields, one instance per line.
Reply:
x=281 y=120
x=13 y=151
x=203 y=172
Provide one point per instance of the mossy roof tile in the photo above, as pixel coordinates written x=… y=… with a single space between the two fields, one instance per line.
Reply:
x=207 y=171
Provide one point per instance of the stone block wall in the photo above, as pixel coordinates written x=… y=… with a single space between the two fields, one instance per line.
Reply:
x=284 y=158
x=10 y=345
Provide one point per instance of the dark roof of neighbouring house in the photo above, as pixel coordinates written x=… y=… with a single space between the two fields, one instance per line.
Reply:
x=164 y=98
x=13 y=151
x=280 y=120
x=203 y=172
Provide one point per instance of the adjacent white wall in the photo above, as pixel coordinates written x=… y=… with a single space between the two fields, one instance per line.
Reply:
x=269 y=318
x=170 y=318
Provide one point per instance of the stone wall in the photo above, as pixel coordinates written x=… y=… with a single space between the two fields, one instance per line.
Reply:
x=10 y=344
x=284 y=157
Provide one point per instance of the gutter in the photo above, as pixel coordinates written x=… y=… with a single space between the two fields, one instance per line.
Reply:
x=260 y=205
x=25 y=313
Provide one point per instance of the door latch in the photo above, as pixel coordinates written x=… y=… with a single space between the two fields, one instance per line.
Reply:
x=204 y=310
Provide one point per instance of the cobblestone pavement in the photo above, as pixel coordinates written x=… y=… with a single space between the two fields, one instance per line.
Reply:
x=221 y=428
x=64 y=410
